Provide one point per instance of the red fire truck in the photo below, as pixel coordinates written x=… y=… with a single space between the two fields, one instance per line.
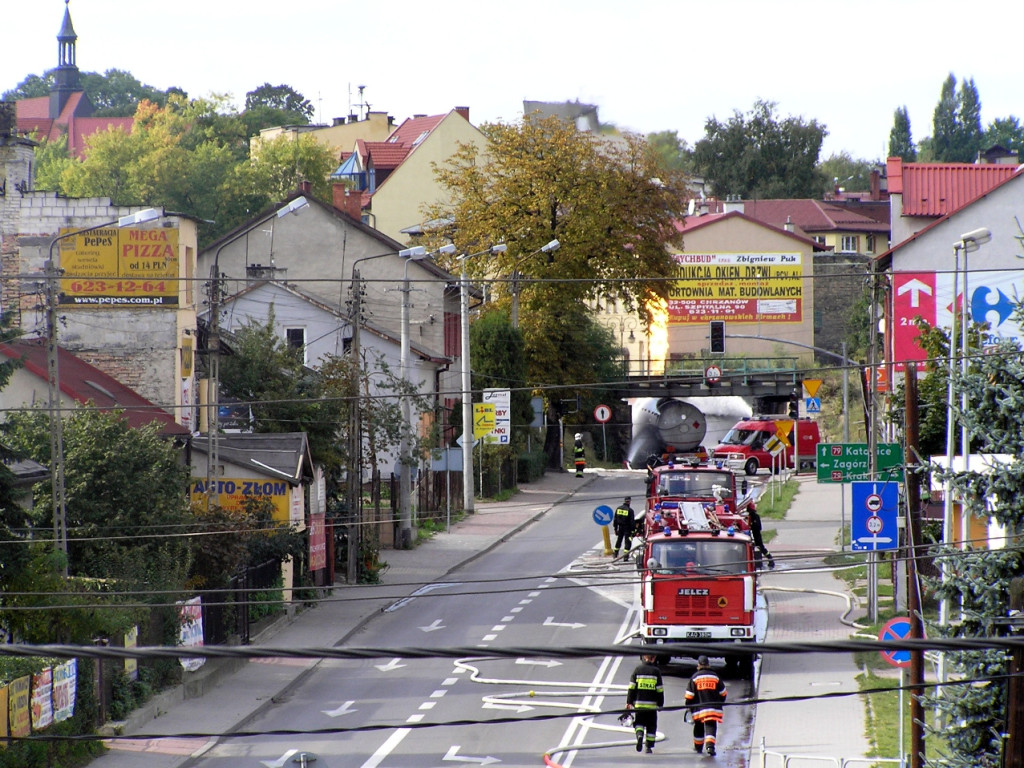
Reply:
x=698 y=573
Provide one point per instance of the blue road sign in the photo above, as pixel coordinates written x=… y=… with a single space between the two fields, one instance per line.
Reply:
x=812 y=404
x=603 y=515
x=873 y=517
x=896 y=629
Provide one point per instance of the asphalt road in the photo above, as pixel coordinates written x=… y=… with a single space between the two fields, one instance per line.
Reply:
x=549 y=585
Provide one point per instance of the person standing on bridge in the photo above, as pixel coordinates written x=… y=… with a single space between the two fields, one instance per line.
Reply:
x=625 y=525
x=704 y=698
x=578 y=455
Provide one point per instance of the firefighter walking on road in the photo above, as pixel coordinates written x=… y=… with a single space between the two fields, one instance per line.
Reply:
x=624 y=524
x=578 y=456
x=645 y=696
x=704 y=698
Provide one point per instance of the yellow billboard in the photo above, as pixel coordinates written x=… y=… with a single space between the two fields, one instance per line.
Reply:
x=114 y=267
x=232 y=493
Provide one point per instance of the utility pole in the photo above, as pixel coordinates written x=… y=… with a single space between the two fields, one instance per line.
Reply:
x=354 y=493
x=1014 y=746
x=57 y=494
x=213 y=390
x=913 y=537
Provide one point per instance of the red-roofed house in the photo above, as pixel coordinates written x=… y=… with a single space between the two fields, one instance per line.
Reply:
x=395 y=177
x=80 y=383
x=920 y=193
x=67 y=111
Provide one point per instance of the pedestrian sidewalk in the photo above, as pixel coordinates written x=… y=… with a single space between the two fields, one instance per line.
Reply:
x=807 y=603
x=225 y=694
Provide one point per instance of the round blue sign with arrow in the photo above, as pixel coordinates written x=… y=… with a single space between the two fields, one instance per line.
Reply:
x=603 y=515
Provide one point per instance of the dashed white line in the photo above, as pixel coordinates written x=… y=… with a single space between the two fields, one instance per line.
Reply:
x=438 y=693
x=428 y=705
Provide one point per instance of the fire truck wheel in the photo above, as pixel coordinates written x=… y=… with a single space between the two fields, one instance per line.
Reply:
x=751 y=466
x=740 y=666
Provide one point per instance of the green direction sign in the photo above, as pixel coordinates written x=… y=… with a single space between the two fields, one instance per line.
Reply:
x=848 y=462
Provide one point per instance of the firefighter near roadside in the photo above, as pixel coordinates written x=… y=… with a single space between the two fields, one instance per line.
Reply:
x=578 y=456
x=644 y=697
x=625 y=526
x=754 y=521
x=705 y=695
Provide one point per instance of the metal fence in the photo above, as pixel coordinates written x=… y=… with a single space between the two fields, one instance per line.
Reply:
x=228 y=612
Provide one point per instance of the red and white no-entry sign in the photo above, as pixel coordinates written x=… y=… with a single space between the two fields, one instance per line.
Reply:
x=602 y=414
x=873 y=503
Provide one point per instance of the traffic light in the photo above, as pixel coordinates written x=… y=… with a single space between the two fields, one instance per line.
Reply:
x=718 y=337
x=794 y=408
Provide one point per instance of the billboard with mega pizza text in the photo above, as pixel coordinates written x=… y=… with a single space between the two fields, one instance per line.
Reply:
x=114 y=267
x=737 y=287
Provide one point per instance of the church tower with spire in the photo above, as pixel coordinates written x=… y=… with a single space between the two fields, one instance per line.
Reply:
x=67 y=79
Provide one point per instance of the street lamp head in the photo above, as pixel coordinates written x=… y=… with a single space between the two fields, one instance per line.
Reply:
x=415 y=253
x=139 y=217
x=499 y=248
x=293 y=207
x=445 y=250
x=554 y=245
x=971 y=241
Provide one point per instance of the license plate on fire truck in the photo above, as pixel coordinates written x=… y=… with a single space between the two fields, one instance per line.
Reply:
x=698 y=635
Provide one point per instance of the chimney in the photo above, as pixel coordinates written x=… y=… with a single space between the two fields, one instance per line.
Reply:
x=337 y=121
x=789 y=224
x=347 y=200
x=876 y=184
x=464 y=111
x=732 y=203
x=306 y=187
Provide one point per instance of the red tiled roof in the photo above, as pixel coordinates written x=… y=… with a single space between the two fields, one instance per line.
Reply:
x=811 y=215
x=414 y=127
x=84 y=383
x=384 y=155
x=936 y=189
x=692 y=223
x=34 y=117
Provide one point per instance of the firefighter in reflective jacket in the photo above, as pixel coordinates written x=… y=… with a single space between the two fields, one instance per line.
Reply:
x=579 y=458
x=624 y=525
x=645 y=696
x=704 y=697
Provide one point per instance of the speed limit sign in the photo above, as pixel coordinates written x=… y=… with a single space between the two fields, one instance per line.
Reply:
x=602 y=414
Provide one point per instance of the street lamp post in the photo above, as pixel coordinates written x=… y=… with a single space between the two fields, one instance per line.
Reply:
x=53 y=271
x=550 y=247
x=468 y=501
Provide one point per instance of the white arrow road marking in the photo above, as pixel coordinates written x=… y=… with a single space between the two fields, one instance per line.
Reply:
x=453 y=755
x=540 y=662
x=280 y=763
x=393 y=664
x=915 y=288
x=344 y=709
x=550 y=622
x=518 y=708
x=436 y=625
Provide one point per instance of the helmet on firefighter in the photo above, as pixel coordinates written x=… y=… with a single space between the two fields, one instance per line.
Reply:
x=578 y=436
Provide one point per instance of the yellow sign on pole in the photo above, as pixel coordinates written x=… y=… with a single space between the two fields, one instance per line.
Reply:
x=811 y=387
x=483 y=419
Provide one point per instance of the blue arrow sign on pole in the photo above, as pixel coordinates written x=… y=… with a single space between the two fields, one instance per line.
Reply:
x=873 y=517
x=603 y=515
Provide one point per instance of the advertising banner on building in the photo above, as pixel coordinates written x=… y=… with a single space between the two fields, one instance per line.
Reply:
x=18 y=704
x=114 y=267
x=737 y=287
x=993 y=297
x=42 y=699
x=317 y=542
x=232 y=493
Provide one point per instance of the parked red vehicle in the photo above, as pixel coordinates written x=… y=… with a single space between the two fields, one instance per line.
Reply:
x=751 y=443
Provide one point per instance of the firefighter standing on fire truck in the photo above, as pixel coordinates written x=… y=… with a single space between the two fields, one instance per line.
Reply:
x=625 y=525
x=704 y=697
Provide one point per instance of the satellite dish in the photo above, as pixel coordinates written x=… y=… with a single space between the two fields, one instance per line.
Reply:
x=691 y=207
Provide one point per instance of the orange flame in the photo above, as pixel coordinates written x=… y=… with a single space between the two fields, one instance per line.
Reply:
x=657 y=311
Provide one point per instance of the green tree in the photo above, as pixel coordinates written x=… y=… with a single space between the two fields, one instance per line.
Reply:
x=272 y=105
x=979 y=578
x=32 y=87
x=956 y=123
x=901 y=143
x=672 y=152
x=1006 y=132
x=757 y=155
x=844 y=171
x=499 y=361
x=117 y=93
x=282 y=163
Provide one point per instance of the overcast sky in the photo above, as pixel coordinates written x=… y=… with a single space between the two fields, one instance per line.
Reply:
x=649 y=65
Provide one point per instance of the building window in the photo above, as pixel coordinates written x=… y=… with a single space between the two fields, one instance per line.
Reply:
x=296 y=338
x=820 y=240
x=851 y=244
x=869 y=243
